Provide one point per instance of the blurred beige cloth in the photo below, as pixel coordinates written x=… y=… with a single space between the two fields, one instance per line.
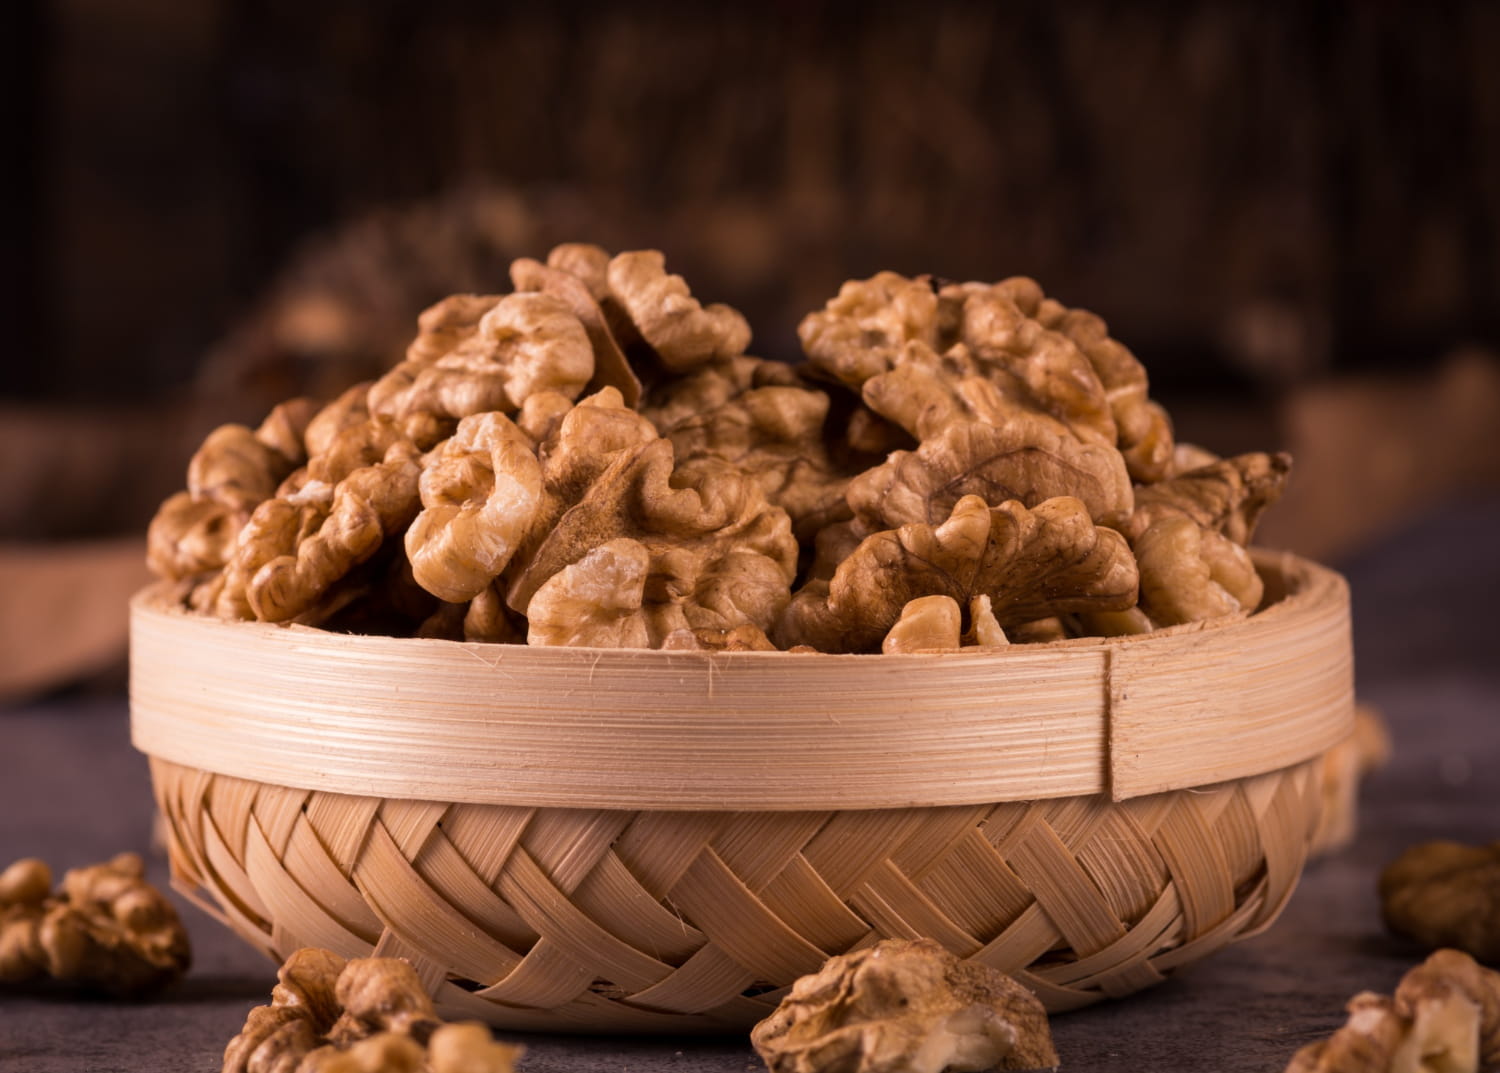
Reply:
x=64 y=610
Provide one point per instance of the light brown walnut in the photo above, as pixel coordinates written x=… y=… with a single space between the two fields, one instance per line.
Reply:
x=1446 y=894
x=682 y=332
x=904 y=1006
x=481 y=492
x=105 y=929
x=232 y=472
x=611 y=367
x=762 y=418
x=927 y=624
x=295 y=549
x=998 y=327
x=1020 y=455
x=688 y=546
x=1443 y=1018
x=584 y=261
x=368 y=1015
x=525 y=343
x=1143 y=429
x=1228 y=496
x=1048 y=560
x=1191 y=574
x=441 y=327
x=861 y=332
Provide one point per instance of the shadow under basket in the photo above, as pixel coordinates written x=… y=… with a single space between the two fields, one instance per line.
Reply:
x=589 y=840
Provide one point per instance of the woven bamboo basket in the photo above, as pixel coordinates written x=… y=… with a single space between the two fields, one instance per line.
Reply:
x=628 y=841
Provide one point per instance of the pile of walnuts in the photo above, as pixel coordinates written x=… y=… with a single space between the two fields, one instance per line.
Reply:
x=595 y=460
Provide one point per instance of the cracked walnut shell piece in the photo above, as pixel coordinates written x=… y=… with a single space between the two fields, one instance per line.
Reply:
x=105 y=929
x=1446 y=894
x=1443 y=1018
x=368 y=1015
x=905 y=1006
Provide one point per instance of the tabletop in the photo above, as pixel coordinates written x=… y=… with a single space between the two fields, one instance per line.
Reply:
x=73 y=792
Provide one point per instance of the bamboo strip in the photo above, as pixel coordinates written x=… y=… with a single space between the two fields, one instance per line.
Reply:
x=449 y=722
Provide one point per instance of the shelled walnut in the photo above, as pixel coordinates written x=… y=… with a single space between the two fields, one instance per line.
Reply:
x=904 y=1006
x=1446 y=894
x=105 y=929
x=1443 y=1018
x=369 y=1015
x=595 y=459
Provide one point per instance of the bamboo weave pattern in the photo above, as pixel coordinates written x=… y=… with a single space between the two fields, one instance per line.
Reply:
x=583 y=920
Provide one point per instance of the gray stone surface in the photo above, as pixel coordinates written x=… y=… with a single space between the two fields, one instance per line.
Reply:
x=72 y=791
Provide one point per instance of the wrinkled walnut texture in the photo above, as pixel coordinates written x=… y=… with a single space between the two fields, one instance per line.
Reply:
x=368 y=1015
x=1446 y=894
x=105 y=929
x=595 y=459
x=904 y=1006
x=1443 y=1018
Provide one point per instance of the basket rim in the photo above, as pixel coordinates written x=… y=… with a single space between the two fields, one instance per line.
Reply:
x=483 y=723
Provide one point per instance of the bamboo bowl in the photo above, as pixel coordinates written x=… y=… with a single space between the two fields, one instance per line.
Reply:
x=626 y=841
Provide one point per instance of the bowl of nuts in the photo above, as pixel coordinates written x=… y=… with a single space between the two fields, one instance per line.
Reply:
x=616 y=678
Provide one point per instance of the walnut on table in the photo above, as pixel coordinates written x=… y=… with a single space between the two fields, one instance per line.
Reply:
x=905 y=1006
x=105 y=929
x=1446 y=894
x=1443 y=1018
x=368 y=1015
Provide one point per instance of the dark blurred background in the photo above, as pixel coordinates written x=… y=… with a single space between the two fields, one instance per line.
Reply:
x=1291 y=212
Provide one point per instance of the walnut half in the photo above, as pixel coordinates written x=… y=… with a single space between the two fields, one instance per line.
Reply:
x=1443 y=1018
x=1446 y=894
x=105 y=929
x=905 y=1006
x=369 y=1015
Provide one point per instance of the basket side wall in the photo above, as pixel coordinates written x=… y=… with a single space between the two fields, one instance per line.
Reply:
x=660 y=921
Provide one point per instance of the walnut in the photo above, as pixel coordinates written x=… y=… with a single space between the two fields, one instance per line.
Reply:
x=481 y=491
x=1143 y=430
x=611 y=368
x=1446 y=894
x=746 y=638
x=1444 y=1018
x=721 y=556
x=1034 y=350
x=904 y=1006
x=1227 y=496
x=759 y=416
x=1031 y=563
x=105 y=929
x=927 y=624
x=1190 y=574
x=584 y=261
x=443 y=326
x=295 y=548
x=369 y=1015
x=998 y=326
x=860 y=332
x=1018 y=455
x=985 y=630
x=525 y=343
x=350 y=408
x=683 y=333
x=231 y=473
x=673 y=547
